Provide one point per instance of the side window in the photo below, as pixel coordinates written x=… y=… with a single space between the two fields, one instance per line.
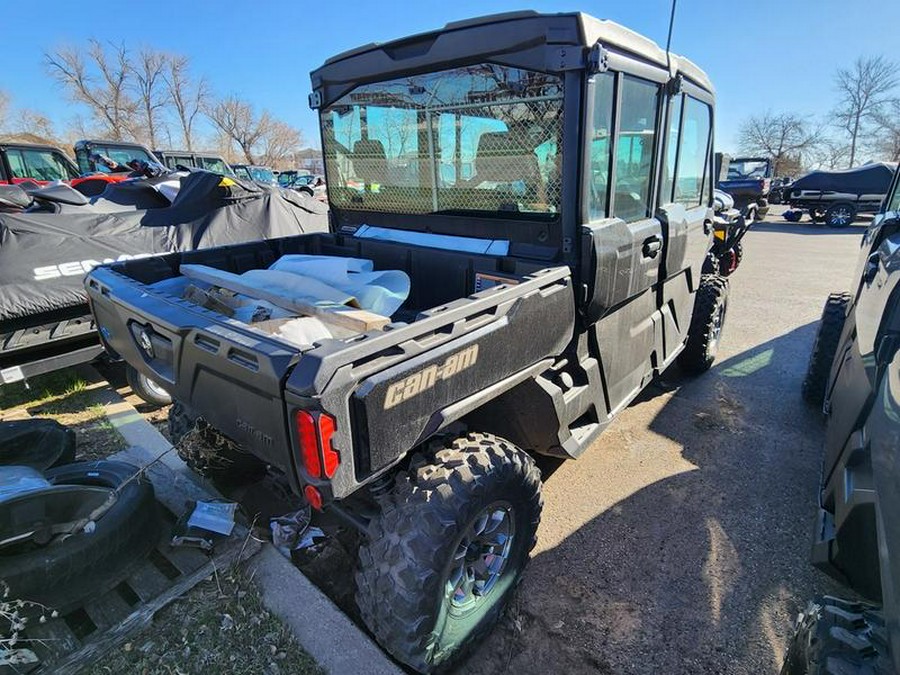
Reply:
x=668 y=179
x=693 y=157
x=17 y=164
x=635 y=149
x=601 y=148
x=894 y=203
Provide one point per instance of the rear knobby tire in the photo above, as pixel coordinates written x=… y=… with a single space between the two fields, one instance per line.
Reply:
x=825 y=347
x=406 y=566
x=707 y=322
x=146 y=389
x=209 y=452
x=838 y=636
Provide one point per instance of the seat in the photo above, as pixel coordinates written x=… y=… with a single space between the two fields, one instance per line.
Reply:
x=500 y=159
x=370 y=161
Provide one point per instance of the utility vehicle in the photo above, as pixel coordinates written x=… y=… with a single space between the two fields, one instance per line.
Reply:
x=854 y=373
x=546 y=183
x=748 y=181
x=30 y=163
x=197 y=160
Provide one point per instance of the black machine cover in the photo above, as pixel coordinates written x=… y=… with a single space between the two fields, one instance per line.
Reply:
x=869 y=179
x=44 y=256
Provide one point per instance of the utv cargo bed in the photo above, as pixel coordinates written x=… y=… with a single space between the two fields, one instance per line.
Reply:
x=247 y=383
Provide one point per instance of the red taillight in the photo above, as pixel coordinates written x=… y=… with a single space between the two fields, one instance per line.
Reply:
x=314 y=431
x=330 y=458
x=309 y=445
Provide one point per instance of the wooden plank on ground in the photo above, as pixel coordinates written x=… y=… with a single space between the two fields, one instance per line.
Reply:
x=147 y=581
x=359 y=320
x=186 y=559
x=107 y=610
x=100 y=644
x=51 y=639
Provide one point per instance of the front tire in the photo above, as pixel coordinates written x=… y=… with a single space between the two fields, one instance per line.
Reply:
x=825 y=347
x=706 y=326
x=448 y=549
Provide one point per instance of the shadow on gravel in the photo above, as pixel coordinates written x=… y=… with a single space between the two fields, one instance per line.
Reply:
x=808 y=228
x=701 y=572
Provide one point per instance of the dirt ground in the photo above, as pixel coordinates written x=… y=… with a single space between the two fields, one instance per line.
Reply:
x=220 y=626
x=679 y=542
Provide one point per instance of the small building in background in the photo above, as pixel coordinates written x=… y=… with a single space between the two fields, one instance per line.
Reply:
x=311 y=160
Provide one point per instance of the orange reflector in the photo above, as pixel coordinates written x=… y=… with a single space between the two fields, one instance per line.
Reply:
x=313 y=497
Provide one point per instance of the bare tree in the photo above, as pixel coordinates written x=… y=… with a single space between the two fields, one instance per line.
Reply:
x=189 y=97
x=279 y=142
x=829 y=153
x=260 y=137
x=238 y=121
x=864 y=89
x=4 y=109
x=103 y=86
x=149 y=87
x=784 y=137
x=887 y=123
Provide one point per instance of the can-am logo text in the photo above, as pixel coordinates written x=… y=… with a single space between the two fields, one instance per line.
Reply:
x=79 y=267
x=425 y=379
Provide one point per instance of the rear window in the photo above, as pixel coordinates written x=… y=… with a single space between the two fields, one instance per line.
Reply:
x=484 y=138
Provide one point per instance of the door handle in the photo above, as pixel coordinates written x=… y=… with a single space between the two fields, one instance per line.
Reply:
x=872 y=265
x=651 y=247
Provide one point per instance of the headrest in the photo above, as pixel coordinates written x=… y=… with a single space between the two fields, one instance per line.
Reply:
x=499 y=159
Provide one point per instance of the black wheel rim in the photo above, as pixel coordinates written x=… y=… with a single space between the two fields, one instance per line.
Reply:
x=480 y=557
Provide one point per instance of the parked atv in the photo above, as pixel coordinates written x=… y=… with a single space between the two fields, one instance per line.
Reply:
x=553 y=271
x=729 y=228
x=854 y=374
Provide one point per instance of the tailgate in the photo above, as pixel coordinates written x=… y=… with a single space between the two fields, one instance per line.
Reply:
x=229 y=373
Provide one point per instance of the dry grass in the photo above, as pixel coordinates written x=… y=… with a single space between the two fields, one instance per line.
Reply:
x=70 y=399
x=220 y=626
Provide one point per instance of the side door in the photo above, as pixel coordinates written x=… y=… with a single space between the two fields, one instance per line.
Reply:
x=873 y=328
x=685 y=199
x=622 y=239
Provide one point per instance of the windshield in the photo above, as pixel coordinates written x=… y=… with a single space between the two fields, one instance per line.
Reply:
x=747 y=168
x=483 y=138
x=215 y=164
x=39 y=165
x=121 y=155
x=262 y=175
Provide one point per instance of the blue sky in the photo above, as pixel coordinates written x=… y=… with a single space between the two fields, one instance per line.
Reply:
x=761 y=54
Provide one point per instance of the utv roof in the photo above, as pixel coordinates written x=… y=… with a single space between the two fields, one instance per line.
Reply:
x=491 y=36
x=23 y=144
x=107 y=141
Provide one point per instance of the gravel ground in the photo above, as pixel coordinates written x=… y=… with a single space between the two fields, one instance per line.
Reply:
x=678 y=543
